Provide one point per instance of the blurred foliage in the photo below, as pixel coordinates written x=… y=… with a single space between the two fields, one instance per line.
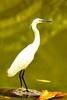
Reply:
x=51 y=59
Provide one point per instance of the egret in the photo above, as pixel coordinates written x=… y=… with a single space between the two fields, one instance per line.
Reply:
x=26 y=56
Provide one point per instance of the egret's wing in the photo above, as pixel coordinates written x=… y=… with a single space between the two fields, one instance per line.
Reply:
x=23 y=59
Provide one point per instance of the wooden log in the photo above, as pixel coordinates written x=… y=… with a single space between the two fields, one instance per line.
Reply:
x=19 y=92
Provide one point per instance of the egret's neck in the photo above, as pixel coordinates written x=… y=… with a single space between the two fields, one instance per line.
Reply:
x=36 y=41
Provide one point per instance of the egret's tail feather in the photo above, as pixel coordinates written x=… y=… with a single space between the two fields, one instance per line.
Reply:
x=10 y=73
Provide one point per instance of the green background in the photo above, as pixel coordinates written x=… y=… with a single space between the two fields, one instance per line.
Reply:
x=50 y=61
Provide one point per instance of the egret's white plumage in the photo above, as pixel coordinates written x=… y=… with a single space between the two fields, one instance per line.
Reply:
x=26 y=56
x=22 y=61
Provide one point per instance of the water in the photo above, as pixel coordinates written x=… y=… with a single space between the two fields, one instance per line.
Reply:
x=50 y=62
x=14 y=98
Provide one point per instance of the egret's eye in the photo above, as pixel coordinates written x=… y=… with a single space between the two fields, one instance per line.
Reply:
x=39 y=20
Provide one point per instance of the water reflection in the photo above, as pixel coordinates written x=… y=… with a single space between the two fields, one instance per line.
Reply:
x=15 y=98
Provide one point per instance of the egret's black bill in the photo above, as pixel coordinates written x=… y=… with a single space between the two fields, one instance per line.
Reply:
x=47 y=21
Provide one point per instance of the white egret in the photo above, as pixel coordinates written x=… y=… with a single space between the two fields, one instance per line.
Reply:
x=26 y=56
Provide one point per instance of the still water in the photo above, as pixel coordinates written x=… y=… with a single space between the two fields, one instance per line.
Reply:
x=14 y=98
x=49 y=63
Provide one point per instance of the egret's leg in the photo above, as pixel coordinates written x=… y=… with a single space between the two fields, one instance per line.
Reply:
x=20 y=76
x=24 y=81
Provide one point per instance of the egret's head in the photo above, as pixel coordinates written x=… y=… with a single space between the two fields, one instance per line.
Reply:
x=38 y=20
